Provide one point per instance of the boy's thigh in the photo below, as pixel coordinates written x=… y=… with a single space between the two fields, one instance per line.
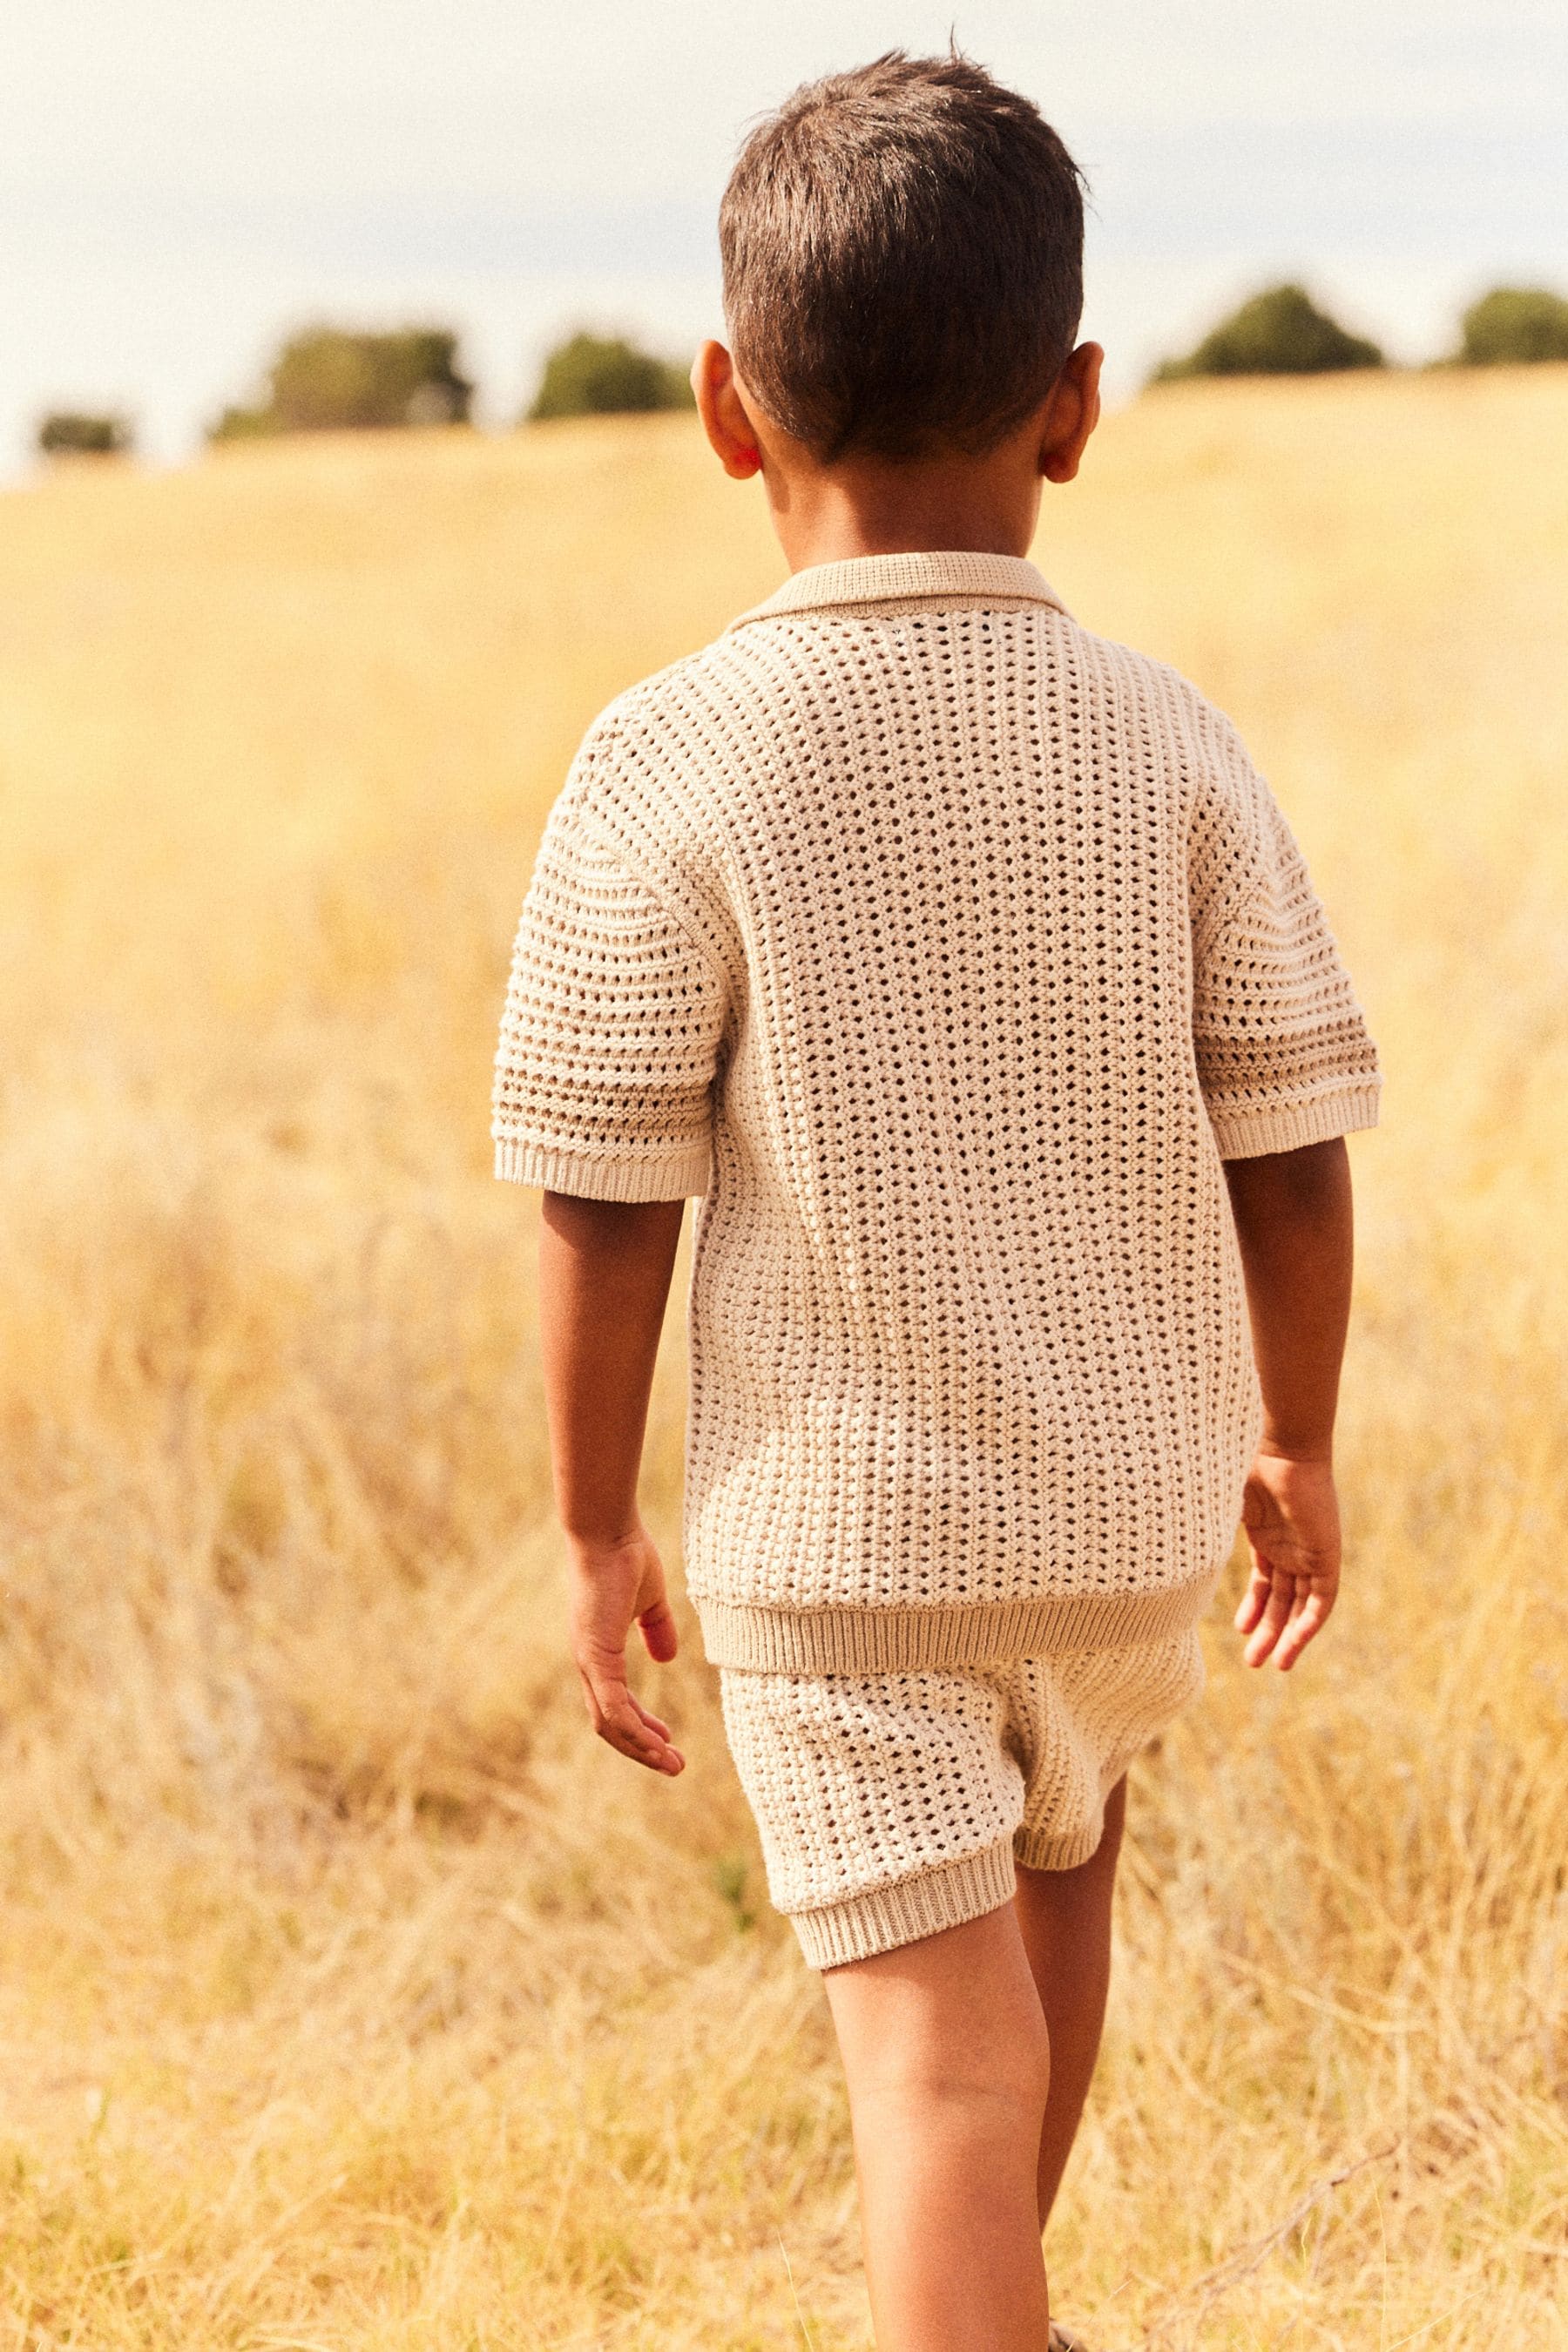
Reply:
x=954 y=2014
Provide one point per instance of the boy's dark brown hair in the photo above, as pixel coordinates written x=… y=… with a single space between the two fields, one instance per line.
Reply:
x=904 y=259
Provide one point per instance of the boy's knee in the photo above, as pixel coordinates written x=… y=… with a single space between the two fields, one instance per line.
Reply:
x=1017 y=2065
x=985 y=2049
x=973 y=2082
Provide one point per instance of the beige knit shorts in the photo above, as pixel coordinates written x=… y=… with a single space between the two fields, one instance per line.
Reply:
x=893 y=1805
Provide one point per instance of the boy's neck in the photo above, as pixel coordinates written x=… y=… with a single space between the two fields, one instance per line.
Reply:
x=868 y=507
x=985 y=504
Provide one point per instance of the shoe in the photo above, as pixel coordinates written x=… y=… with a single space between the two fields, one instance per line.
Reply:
x=1061 y=2339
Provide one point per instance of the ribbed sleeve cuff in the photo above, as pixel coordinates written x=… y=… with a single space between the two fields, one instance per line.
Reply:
x=596 y=1178
x=1248 y=1133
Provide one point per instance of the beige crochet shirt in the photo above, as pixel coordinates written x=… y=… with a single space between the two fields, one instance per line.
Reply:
x=945 y=949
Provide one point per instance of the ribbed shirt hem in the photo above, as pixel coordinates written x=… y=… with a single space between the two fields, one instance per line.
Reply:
x=1243 y=1134
x=769 y=1641
x=883 y=1917
x=604 y=1180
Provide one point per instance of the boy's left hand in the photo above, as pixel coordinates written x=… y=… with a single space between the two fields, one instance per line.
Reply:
x=1291 y=1515
x=613 y=1588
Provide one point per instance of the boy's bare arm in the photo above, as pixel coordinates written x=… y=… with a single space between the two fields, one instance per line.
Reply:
x=1294 y=1223
x=604 y=1278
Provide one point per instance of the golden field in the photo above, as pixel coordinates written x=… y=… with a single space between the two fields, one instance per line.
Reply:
x=351 y=1995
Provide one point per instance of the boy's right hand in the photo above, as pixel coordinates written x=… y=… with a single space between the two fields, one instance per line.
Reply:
x=1291 y=1515
x=614 y=1587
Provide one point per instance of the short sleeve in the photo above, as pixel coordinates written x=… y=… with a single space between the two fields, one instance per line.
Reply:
x=1284 y=1057
x=605 y=1068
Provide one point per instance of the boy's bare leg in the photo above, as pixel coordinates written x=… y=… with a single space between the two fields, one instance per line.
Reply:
x=947 y=2064
x=1065 y=1918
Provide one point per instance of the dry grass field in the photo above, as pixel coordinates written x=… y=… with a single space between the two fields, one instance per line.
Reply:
x=350 y=1996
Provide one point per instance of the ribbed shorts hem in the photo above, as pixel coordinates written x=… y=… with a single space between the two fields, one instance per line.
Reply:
x=883 y=1917
x=756 y=1639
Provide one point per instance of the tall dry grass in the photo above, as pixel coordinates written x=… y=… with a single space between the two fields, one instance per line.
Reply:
x=350 y=1996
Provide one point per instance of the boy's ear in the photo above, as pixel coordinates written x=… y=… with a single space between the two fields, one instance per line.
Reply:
x=724 y=418
x=1072 y=412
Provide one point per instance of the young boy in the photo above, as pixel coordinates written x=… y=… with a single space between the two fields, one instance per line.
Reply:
x=965 y=967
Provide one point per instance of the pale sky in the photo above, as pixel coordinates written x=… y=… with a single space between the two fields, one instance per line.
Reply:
x=182 y=180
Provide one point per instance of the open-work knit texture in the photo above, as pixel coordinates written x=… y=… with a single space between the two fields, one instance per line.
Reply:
x=893 y=1805
x=945 y=949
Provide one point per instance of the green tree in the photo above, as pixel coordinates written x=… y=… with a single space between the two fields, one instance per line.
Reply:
x=1514 y=324
x=605 y=375
x=76 y=433
x=329 y=379
x=1280 y=331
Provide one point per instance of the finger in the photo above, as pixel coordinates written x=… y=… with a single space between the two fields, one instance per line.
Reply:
x=621 y=1728
x=1267 y=1631
x=1305 y=1621
x=1284 y=1647
x=1281 y=1595
x=659 y=1631
x=652 y=1720
x=1253 y=1598
x=671 y=1761
x=609 y=1705
x=620 y=1722
x=604 y=1676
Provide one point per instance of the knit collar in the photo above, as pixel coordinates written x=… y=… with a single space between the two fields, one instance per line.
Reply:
x=893 y=579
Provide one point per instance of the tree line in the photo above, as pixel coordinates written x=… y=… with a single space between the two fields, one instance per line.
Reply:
x=334 y=379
